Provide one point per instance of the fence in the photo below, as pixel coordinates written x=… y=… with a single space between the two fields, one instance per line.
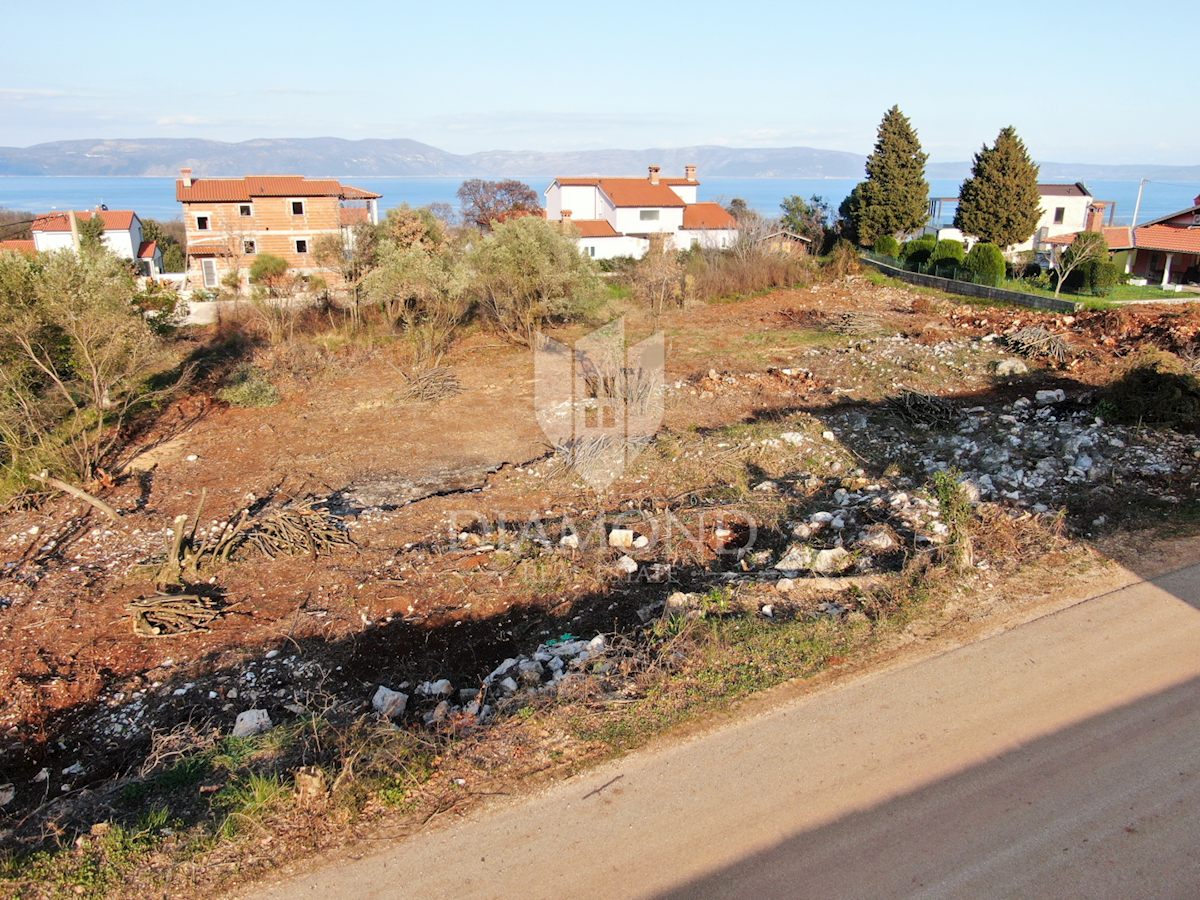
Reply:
x=964 y=286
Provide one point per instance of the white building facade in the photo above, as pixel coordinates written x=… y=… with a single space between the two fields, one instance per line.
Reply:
x=616 y=216
x=122 y=235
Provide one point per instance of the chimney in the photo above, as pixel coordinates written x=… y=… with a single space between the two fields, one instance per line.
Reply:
x=187 y=177
x=654 y=174
x=1095 y=217
x=689 y=173
x=566 y=215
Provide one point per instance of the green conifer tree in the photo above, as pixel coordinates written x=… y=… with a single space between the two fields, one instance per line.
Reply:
x=999 y=203
x=895 y=197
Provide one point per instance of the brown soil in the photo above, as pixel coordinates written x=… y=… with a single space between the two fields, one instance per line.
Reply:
x=412 y=602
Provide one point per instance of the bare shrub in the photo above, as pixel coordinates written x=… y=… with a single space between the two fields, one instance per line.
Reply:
x=658 y=276
x=746 y=269
x=842 y=261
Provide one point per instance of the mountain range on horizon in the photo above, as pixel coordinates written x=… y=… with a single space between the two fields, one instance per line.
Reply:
x=337 y=157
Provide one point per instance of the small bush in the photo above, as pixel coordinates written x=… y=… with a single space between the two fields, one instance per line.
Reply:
x=986 y=261
x=947 y=252
x=842 y=260
x=249 y=386
x=1101 y=276
x=918 y=250
x=887 y=245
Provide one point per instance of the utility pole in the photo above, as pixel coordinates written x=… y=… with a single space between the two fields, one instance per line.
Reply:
x=1138 y=205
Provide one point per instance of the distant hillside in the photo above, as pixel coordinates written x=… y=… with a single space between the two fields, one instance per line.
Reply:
x=165 y=156
x=337 y=157
x=334 y=156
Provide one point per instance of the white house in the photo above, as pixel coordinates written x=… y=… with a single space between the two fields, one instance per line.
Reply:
x=1064 y=211
x=616 y=216
x=122 y=235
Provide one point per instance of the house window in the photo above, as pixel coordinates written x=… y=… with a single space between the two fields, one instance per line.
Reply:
x=244 y=210
x=202 y=223
x=297 y=207
x=209 y=268
x=301 y=245
x=649 y=215
x=249 y=247
x=591 y=251
x=1060 y=213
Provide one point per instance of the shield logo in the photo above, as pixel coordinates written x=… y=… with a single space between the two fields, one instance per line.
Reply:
x=600 y=403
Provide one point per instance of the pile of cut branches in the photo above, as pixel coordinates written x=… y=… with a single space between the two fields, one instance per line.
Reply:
x=1035 y=341
x=431 y=385
x=300 y=527
x=924 y=409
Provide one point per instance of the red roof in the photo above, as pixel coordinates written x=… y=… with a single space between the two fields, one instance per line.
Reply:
x=1117 y=237
x=233 y=190
x=214 y=249
x=114 y=220
x=578 y=182
x=707 y=215
x=594 y=228
x=147 y=249
x=677 y=181
x=627 y=192
x=349 y=192
x=18 y=246
x=1168 y=237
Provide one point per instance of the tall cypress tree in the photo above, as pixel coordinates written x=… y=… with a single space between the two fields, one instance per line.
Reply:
x=894 y=199
x=999 y=203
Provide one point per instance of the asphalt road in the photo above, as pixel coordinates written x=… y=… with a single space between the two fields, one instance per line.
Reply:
x=1060 y=759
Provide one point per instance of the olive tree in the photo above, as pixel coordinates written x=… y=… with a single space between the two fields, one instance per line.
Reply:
x=75 y=355
x=530 y=272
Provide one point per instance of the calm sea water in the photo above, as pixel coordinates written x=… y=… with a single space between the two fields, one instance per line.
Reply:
x=155 y=197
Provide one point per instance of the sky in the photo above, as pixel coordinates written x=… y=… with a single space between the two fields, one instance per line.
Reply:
x=1083 y=82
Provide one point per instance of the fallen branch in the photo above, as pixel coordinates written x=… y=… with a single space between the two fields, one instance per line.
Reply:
x=96 y=502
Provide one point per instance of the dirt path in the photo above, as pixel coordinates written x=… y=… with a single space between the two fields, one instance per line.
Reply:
x=1057 y=759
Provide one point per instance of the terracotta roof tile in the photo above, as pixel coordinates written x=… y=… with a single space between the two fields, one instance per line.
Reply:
x=595 y=228
x=1116 y=236
x=578 y=182
x=147 y=249
x=677 y=182
x=26 y=247
x=212 y=190
x=707 y=215
x=627 y=192
x=114 y=220
x=233 y=190
x=349 y=192
x=214 y=249
x=1167 y=237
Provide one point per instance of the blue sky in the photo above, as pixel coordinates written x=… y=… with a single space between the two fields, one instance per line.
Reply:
x=1080 y=81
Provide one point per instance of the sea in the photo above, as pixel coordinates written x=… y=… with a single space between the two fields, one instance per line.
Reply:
x=154 y=198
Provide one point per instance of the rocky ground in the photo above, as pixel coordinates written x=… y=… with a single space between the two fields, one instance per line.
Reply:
x=801 y=434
